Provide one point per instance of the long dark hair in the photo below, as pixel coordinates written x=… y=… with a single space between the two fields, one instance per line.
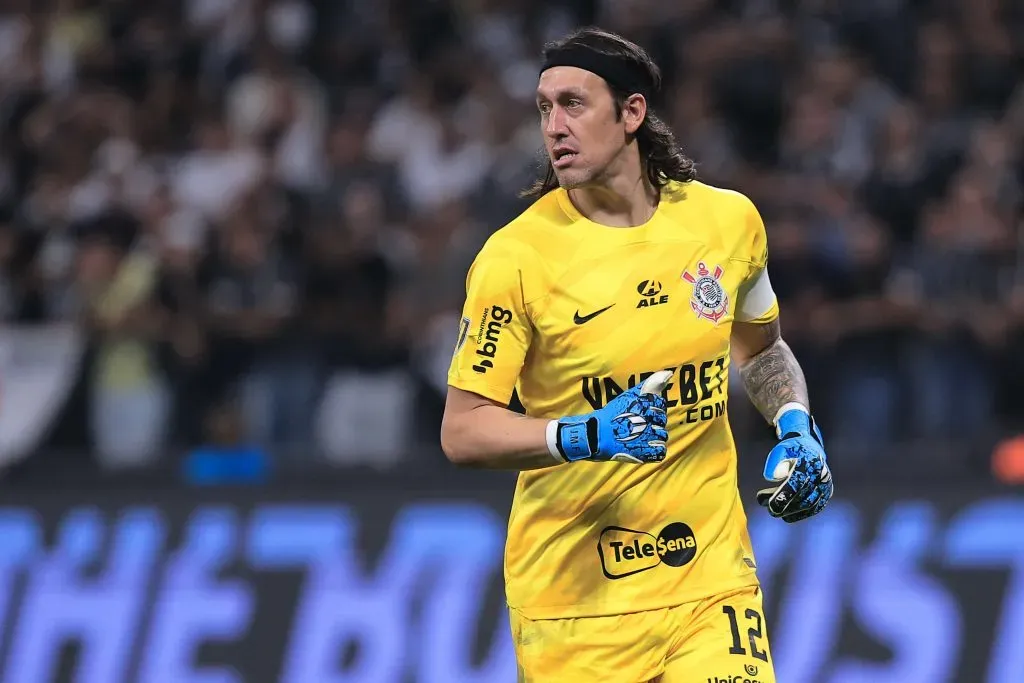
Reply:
x=660 y=154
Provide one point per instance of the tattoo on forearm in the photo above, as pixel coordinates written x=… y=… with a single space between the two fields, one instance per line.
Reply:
x=773 y=378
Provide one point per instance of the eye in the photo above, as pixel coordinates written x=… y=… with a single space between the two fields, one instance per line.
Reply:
x=544 y=107
x=574 y=103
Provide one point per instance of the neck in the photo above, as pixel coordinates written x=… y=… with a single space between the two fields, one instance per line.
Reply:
x=623 y=199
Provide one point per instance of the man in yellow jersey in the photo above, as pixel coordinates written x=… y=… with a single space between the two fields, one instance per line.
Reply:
x=614 y=305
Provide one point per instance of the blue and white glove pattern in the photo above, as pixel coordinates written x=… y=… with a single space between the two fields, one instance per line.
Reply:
x=798 y=469
x=630 y=428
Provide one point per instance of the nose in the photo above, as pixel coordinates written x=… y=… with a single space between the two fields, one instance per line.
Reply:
x=555 y=126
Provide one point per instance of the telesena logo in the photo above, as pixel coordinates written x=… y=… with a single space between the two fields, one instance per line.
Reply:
x=624 y=552
x=492 y=320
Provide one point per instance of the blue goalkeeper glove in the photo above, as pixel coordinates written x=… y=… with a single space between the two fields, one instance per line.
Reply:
x=631 y=428
x=798 y=468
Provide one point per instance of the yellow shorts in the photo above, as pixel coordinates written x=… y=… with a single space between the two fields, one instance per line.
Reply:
x=721 y=639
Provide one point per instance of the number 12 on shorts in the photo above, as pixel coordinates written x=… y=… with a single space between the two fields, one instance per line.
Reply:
x=754 y=633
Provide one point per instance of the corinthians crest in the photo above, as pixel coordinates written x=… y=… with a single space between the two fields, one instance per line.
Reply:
x=709 y=299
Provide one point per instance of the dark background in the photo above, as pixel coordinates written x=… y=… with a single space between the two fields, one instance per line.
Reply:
x=252 y=210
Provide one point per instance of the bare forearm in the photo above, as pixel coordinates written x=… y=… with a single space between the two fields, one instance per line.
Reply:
x=773 y=378
x=491 y=437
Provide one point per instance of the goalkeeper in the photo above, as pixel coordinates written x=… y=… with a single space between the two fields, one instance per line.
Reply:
x=615 y=305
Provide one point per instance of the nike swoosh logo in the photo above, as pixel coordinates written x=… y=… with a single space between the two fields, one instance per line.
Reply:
x=580 y=319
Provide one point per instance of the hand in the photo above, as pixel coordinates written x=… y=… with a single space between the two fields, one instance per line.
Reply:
x=631 y=428
x=798 y=467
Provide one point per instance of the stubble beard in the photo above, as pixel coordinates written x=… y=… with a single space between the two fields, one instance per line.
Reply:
x=576 y=179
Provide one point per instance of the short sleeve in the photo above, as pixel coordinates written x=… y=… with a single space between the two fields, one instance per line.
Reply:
x=495 y=329
x=758 y=238
x=756 y=301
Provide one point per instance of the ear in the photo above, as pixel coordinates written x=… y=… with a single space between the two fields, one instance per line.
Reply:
x=634 y=110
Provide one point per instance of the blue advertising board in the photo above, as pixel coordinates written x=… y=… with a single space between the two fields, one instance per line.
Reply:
x=404 y=586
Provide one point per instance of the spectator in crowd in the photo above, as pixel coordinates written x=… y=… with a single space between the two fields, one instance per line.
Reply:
x=272 y=204
x=224 y=457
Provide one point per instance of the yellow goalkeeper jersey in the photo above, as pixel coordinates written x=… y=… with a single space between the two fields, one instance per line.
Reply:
x=569 y=313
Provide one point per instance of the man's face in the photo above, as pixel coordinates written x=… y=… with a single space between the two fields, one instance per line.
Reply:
x=582 y=134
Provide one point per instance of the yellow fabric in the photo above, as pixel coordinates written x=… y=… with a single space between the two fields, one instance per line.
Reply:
x=123 y=362
x=604 y=538
x=690 y=643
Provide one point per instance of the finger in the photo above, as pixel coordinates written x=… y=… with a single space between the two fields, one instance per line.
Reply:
x=821 y=497
x=791 y=498
x=790 y=495
x=660 y=433
x=626 y=458
x=656 y=383
x=658 y=438
x=777 y=469
x=775 y=499
x=656 y=416
x=805 y=502
x=656 y=453
x=798 y=516
x=825 y=490
x=780 y=502
x=830 y=487
x=764 y=495
x=802 y=487
x=778 y=456
x=823 y=501
x=784 y=469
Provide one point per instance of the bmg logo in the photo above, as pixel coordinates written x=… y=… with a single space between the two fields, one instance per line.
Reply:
x=625 y=552
x=489 y=334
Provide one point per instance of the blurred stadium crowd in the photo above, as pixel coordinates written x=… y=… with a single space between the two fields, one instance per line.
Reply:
x=262 y=211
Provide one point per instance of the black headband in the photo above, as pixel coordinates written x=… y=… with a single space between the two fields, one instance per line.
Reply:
x=621 y=75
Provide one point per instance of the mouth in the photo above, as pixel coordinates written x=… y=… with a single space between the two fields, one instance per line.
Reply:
x=562 y=157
